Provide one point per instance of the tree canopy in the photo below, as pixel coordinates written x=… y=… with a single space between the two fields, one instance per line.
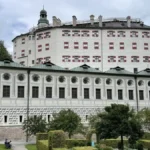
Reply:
x=66 y=120
x=4 y=54
x=144 y=117
x=118 y=120
x=34 y=124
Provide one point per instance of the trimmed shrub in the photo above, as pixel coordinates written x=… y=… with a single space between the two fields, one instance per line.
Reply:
x=84 y=148
x=112 y=142
x=60 y=149
x=56 y=139
x=75 y=142
x=140 y=146
x=103 y=147
x=146 y=136
x=42 y=145
x=145 y=143
x=41 y=136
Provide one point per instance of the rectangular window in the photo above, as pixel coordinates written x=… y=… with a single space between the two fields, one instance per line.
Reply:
x=20 y=119
x=109 y=93
x=48 y=92
x=121 y=45
x=6 y=91
x=134 y=45
x=85 y=45
x=66 y=45
x=96 y=45
x=76 y=45
x=20 y=91
x=61 y=92
x=146 y=58
x=32 y=61
x=5 y=119
x=74 y=92
x=35 y=92
x=120 y=95
x=86 y=93
x=145 y=46
x=98 y=93
x=111 y=58
x=135 y=70
x=111 y=45
x=29 y=51
x=131 y=95
x=141 y=94
x=135 y=59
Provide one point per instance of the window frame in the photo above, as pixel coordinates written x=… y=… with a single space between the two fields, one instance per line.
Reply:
x=6 y=91
x=34 y=90
x=21 y=91
x=48 y=92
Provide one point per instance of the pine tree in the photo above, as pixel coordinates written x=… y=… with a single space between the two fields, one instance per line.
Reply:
x=4 y=54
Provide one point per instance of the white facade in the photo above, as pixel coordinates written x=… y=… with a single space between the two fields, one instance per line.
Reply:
x=14 y=109
x=111 y=43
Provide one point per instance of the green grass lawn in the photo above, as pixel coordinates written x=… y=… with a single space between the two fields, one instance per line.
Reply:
x=30 y=147
x=2 y=147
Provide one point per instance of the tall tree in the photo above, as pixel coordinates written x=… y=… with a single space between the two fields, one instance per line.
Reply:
x=4 y=54
x=119 y=120
x=34 y=125
x=144 y=117
x=66 y=120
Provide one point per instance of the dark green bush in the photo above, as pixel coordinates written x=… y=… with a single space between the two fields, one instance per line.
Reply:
x=140 y=146
x=75 y=142
x=56 y=139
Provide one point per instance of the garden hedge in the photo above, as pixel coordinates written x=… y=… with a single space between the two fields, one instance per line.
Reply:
x=146 y=136
x=75 y=142
x=56 y=139
x=84 y=148
x=41 y=136
x=145 y=143
x=42 y=145
x=112 y=142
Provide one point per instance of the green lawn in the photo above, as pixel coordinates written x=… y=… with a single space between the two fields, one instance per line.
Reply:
x=30 y=147
x=2 y=147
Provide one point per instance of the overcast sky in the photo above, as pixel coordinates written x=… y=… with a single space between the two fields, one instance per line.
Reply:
x=18 y=16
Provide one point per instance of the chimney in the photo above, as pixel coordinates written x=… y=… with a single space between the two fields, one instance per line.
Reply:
x=92 y=19
x=74 y=20
x=54 y=21
x=100 y=19
x=128 y=21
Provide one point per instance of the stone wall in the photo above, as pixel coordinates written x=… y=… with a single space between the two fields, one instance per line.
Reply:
x=14 y=134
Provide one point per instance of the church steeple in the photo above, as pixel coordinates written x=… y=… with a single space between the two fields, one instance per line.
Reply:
x=43 y=21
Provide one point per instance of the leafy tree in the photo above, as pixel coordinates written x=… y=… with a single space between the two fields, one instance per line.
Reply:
x=34 y=125
x=119 y=120
x=144 y=117
x=66 y=120
x=4 y=54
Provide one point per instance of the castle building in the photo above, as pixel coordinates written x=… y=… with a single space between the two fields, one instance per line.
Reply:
x=100 y=43
x=44 y=89
x=81 y=65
